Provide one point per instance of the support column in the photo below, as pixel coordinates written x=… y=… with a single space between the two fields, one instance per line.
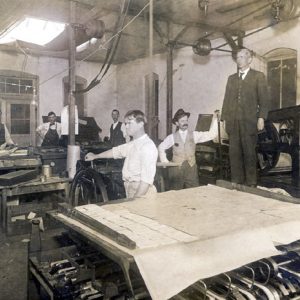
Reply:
x=169 y=88
x=72 y=72
x=33 y=118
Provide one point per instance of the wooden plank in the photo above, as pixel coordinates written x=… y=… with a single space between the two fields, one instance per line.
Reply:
x=256 y=191
x=119 y=238
x=110 y=248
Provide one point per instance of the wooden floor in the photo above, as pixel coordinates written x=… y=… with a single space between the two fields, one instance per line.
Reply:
x=13 y=266
x=13 y=263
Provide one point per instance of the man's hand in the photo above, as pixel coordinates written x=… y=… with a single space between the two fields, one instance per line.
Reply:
x=142 y=189
x=90 y=156
x=260 y=124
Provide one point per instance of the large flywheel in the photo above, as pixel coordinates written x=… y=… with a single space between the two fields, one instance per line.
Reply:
x=267 y=150
x=87 y=187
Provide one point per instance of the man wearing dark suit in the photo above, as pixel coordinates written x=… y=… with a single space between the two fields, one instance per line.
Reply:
x=245 y=108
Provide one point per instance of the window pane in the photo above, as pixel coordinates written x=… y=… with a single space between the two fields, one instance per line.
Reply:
x=26 y=86
x=20 y=126
x=274 y=83
x=2 y=85
x=289 y=85
x=20 y=118
x=12 y=85
x=18 y=111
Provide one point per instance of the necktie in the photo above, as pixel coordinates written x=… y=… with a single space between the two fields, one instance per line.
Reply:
x=241 y=75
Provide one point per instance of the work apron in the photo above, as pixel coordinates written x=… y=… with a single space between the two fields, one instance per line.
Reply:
x=51 y=138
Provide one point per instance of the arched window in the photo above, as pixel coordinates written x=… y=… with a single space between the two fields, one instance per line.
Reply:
x=282 y=77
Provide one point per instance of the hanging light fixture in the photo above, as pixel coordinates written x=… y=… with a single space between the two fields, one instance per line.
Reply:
x=202 y=47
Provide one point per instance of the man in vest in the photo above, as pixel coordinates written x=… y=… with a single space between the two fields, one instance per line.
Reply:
x=183 y=143
x=117 y=130
x=50 y=132
x=5 y=138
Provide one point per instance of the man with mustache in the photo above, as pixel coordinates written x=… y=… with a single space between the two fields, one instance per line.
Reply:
x=183 y=143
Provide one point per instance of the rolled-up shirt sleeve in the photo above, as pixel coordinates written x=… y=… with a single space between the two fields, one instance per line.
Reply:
x=167 y=143
x=148 y=159
x=120 y=151
x=204 y=136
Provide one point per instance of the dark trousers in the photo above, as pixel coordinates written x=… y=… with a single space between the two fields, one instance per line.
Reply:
x=182 y=177
x=242 y=152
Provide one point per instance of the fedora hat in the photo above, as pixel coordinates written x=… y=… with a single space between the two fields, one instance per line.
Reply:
x=179 y=114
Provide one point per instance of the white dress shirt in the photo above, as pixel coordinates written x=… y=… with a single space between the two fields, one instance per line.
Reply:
x=140 y=159
x=244 y=73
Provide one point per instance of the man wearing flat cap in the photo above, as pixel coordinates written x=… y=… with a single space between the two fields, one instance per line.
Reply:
x=183 y=143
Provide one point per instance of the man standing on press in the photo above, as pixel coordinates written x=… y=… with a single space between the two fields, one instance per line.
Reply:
x=245 y=107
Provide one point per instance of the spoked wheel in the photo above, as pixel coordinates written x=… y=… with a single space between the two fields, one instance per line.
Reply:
x=267 y=153
x=87 y=187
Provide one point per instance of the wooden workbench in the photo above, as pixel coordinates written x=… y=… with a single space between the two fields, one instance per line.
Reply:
x=35 y=186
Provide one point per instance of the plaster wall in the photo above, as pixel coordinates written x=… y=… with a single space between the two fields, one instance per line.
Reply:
x=51 y=71
x=199 y=81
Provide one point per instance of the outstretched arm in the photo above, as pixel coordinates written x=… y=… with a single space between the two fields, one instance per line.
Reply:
x=106 y=154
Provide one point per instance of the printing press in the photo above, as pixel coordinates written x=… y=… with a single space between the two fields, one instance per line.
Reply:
x=277 y=152
x=210 y=242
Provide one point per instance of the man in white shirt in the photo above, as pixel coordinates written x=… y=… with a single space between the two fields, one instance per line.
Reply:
x=140 y=156
x=183 y=143
x=50 y=132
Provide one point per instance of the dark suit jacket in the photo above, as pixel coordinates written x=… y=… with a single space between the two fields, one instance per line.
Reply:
x=254 y=100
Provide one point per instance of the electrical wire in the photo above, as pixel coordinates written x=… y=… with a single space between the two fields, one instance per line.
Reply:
x=102 y=48
x=111 y=53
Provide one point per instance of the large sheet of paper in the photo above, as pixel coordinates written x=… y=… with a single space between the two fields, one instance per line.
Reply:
x=183 y=236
